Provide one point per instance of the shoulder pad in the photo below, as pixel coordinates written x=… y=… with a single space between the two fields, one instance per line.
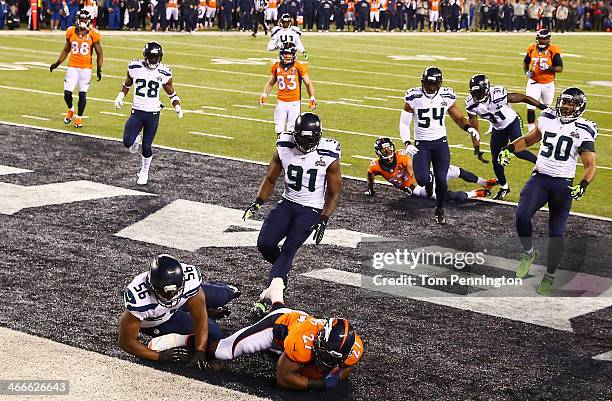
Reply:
x=554 y=49
x=164 y=69
x=296 y=29
x=498 y=93
x=412 y=93
x=193 y=280
x=531 y=47
x=470 y=102
x=447 y=93
x=587 y=126
x=329 y=144
x=135 y=63
x=285 y=140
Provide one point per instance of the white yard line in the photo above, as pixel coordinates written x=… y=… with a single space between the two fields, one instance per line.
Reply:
x=110 y=113
x=212 y=135
x=214 y=108
x=245 y=106
x=35 y=117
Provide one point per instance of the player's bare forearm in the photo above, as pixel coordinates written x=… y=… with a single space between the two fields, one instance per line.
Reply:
x=345 y=372
x=287 y=375
x=129 y=327
x=309 y=85
x=197 y=310
x=458 y=117
x=473 y=120
x=590 y=165
x=269 y=182
x=556 y=69
x=269 y=85
x=521 y=98
x=526 y=141
x=370 y=180
x=99 y=54
x=169 y=89
x=64 y=53
x=127 y=84
x=334 y=189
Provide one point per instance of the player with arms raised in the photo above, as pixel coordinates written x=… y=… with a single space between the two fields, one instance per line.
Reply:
x=313 y=184
x=541 y=64
x=140 y=129
x=428 y=105
x=286 y=33
x=288 y=74
x=493 y=105
x=564 y=136
x=80 y=39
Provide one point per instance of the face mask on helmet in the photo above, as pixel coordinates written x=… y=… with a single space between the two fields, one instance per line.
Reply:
x=286 y=21
x=166 y=280
x=83 y=21
x=569 y=108
x=480 y=91
x=386 y=151
x=333 y=344
x=430 y=86
x=306 y=141
x=287 y=56
x=325 y=359
x=543 y=39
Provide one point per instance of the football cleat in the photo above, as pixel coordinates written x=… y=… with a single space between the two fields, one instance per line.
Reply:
x=236 y=291
x=69 y=115
x=218 y=313
x=258 y=311
x=143 y=178
x=439 y=216
x=502 y=193
x=135 y=148
x=546 y=286
x=526 y=261
x=482 y=193
x=491 y=183
x=78 y=123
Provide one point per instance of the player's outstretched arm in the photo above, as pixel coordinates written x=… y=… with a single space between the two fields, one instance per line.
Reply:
x=311 y=91
x=370 y=191
x=267 y=186
x=62 y=56
x=174 y=99
x=465 y=125
x=99 y=59
x=129 y=327
x=519 y=145
x=521 y=98
x=197 y=309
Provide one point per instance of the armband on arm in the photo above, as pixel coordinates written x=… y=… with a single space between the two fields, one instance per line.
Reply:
x=404 y=126
x=174 y=97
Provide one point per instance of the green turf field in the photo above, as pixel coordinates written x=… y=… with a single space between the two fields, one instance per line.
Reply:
x=359 y=86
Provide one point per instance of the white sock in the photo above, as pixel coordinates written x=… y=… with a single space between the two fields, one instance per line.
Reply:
x=471 y=194
x=146 y=163
x=276 y=290
x=79 y=116
x=482 y=182
x=167 y=341
x=530 y=127
x=505 y=186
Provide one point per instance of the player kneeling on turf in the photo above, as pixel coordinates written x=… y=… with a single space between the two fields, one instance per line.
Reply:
x=396 y=168
x=171 y=298
x=148 y=75
x=314 y=353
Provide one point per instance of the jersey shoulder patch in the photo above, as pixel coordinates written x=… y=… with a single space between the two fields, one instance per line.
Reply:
x=588 y=128
x=285 y=140
x=164 y=70
x=329 y=147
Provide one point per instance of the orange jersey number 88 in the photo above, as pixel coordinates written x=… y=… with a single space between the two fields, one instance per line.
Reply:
x=291 y=83
x=83 y=49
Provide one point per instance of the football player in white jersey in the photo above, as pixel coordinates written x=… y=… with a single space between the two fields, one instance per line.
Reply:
x=428 y=105
x=284 y=33
x=171 y=298
x=140 y=129
x=493 y=105
x=313 y=184
x=564 y=136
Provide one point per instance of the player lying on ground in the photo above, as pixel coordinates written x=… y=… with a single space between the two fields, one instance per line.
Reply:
x=493 y=104
x=396 y=167
x=171 y=298
x=563 y=135
x=313 y=184
x=314 y=353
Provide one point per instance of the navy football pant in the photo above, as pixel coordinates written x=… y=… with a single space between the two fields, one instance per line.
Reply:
x=287 y=220
x=501 y=138
x=437 y=154
x=539 y=190
x=217 y=295
x=145 y=121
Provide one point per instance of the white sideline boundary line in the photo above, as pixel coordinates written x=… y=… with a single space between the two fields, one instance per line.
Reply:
x=590 y=216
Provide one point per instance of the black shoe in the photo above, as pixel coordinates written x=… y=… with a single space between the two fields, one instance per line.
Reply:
x=218 y=313
x=258 y=311
x=439 y=216
x=236 y=291
x=502 y=193
x=254 y=34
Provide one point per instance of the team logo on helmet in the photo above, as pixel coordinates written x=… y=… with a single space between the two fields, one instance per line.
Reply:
x=333 y=344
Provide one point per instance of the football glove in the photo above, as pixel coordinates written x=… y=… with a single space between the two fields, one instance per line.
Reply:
x=175 y=355
x=529 y=74
x=99 y=72
x=474 y=132
x=199 y=361
x=119 y=100
x=252 y=209
x=332 y=378
x=504 y=157
x=312 y=103
x=54 y=66
x=262 y=99
x=577 y=191
x=411 y=150
x=480 y=155
x=179 y=110
x=370 y=192
x=319 y=229
x=306 y=56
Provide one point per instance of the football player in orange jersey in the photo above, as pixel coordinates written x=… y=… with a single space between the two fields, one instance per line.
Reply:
x=80 y=39
x=541 y=63
x=288 y=74
x=315 y=354
x=396 y=168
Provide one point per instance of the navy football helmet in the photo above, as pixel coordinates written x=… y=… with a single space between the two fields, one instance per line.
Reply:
x=479 y=87
x=333 y=344
x=431 y=81
x=287 y=54
x=385 y=149
x=571 y=104
x=153 y=54
x=307 y=132
x=285 y=20
x=543 y=39
x=166 y=280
